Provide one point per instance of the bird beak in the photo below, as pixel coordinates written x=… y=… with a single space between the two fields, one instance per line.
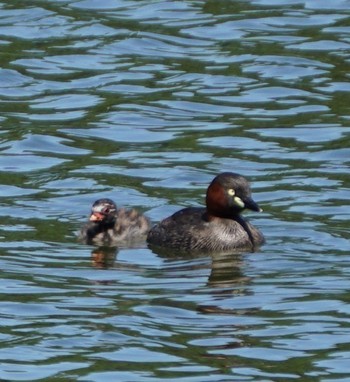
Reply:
x=96 y=217
x=249 y=203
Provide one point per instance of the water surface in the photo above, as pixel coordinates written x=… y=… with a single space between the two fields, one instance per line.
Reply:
x=145 y=102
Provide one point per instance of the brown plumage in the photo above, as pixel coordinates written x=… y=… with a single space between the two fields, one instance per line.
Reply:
x=111 y=226
x=217 y=228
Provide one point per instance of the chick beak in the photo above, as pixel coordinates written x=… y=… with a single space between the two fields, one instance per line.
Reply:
x=96 y=217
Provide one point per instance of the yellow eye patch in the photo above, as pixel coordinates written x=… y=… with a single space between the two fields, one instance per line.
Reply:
x=239 y=202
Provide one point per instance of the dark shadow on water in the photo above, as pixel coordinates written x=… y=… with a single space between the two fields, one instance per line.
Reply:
x=226 y=280
x=225 y=270
x=104 y=257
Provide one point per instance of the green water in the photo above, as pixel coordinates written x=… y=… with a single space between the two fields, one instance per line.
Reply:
x=145 y=102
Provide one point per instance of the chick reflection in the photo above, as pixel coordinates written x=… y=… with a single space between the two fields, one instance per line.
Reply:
x=104 y=257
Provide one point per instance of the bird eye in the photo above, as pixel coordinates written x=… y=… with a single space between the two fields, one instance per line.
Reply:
x=106 y=210
x=231 y=192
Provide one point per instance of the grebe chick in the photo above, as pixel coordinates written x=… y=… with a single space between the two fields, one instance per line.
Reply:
x=110 y=226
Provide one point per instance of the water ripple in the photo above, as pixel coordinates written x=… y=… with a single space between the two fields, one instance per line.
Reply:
x=144 y=102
